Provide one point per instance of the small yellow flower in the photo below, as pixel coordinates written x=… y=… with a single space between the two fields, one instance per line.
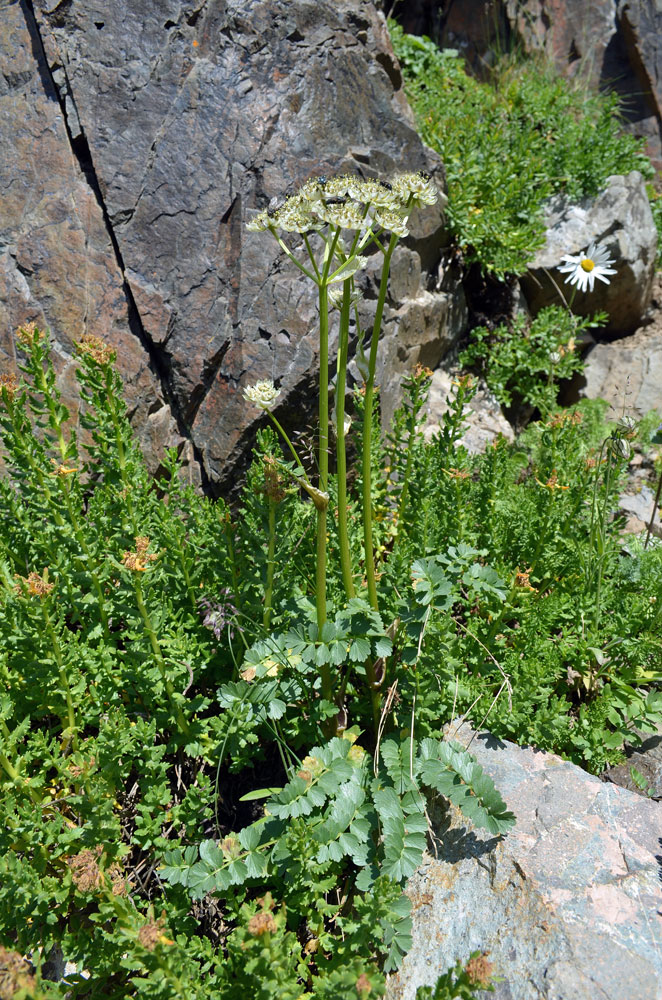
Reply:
x=62 y=470
x=553 y=482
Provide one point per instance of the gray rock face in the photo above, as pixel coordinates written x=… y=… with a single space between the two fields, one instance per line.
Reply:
x=627 y=372
x=569 y=904
x=619 y=218
x=186 y=114
x=640 y=507
x=58 y=266
x=484 y=420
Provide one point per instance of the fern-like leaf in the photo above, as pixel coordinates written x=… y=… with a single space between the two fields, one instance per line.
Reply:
x=452 y=771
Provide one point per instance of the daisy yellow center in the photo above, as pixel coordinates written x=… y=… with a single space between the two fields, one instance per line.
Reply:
x=587 y=264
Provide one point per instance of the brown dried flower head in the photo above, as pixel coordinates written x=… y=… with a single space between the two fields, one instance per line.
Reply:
x=479 y=970
x=363 y=986
x=137 y=561
x=564 y=417
x=522 y=579
x=118 y=883
x=421 y=372
x=96 y=348
x=273 y=481
x=261 y=923
x=27 y=334
x=33 y=585
x=153 y=933
x=84 y=867
x=8 y=384
x=14 y=974
x=80 y=770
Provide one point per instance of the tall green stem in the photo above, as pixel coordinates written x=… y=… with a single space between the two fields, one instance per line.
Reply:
x=367 y=429
x=341 y=456
x=64 y=680
x=271 y=564
x=297 y=460
x=158 y=655
x=323 y=463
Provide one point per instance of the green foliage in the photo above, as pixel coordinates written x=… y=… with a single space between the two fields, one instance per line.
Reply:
x=509 y=144
x=564 y=654
x=460 y=983
x=526 y=363
x=183 y=812
x=137 y=686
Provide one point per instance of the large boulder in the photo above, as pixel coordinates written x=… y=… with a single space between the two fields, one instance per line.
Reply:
x=620 y=219
x=139 y=135
x=58 y=263
x=627 y=373
x=568 y=904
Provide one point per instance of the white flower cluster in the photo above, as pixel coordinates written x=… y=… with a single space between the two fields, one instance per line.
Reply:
x=263 y=394
x=349 y=202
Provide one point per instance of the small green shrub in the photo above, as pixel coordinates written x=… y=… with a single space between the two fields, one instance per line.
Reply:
x=509 y=144
x=524 y=364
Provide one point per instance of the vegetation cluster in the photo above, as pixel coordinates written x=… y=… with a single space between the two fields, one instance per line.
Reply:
x=510 y=142
x=221 y=726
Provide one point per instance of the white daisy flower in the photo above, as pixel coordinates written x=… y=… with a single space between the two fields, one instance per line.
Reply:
x=263 y=394
x=583 y=269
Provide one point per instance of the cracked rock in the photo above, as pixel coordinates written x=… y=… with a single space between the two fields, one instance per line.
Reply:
x=194 y=115
x=58 y=265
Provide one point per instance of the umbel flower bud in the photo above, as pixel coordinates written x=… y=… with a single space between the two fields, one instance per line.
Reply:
x=263 y=394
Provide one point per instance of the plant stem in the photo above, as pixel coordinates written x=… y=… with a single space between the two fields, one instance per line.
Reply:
x=341 y=455
x=289 y=444
x=158 y=655
x=367 y=429
x=271 y=564
x=323 y=463
x=64 y=680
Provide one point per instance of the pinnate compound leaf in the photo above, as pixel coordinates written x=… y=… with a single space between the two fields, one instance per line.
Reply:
x=399 y=762
x=397 y=933
x=431 y=583
x=404 y=836
x=452 y=771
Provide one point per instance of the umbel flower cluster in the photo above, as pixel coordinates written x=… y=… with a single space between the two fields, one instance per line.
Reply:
x=349 y=202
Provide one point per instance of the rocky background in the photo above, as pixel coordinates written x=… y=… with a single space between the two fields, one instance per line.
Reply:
x=615 y=44
x=138 y=136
